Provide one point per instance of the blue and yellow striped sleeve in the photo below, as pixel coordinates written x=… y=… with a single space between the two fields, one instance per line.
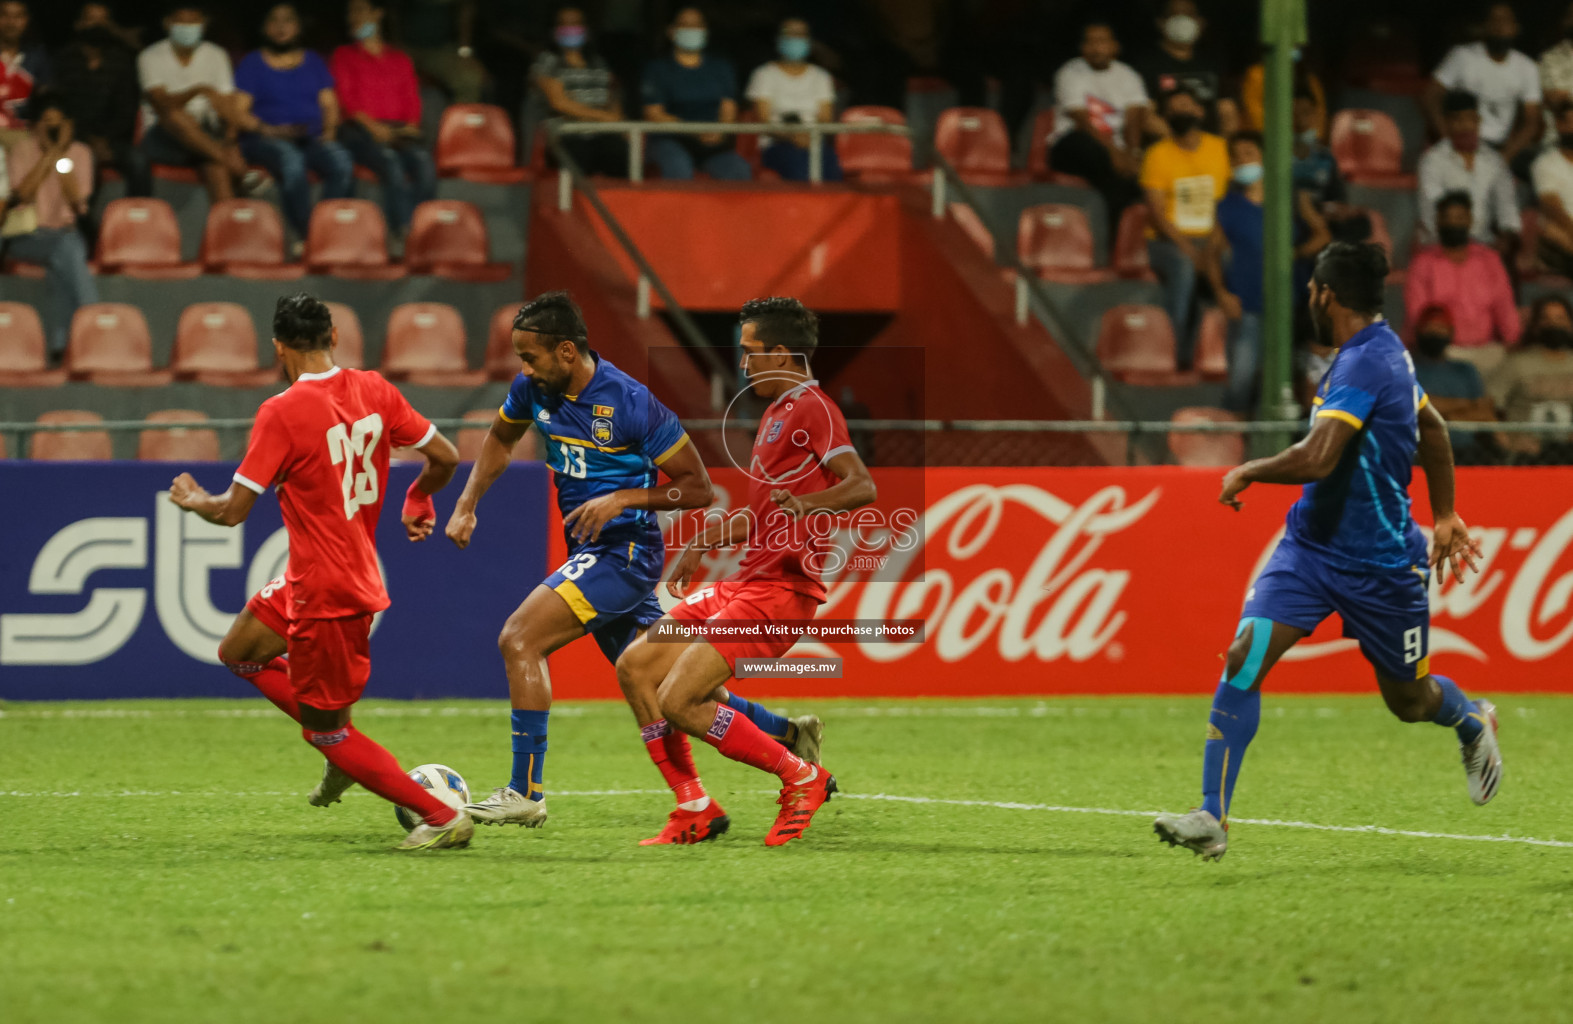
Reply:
x=518 y=407
x=664 y=435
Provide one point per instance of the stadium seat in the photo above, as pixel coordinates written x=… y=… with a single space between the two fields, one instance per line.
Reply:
x=1130 y=245
x=215 y=343
x=1206 y=449
x=874 y=158
x=1136 y=346
x=426 y=345
x=110 y=344
x=349 y=238
x=974 y=141
x=245 y=238
x=351 y=350
x=1038 y=167
x=475 y=142
x=470 y=438
x=448 y=239
x=1054 y=240
x=23 y=363
x=1369 y=149
x=141 y=238
x=1212 y=345
x=177 y=444
x=70 y=445
x=502 y=362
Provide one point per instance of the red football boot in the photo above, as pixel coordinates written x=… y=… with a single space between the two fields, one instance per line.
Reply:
x=798 y=802
x=685 y=827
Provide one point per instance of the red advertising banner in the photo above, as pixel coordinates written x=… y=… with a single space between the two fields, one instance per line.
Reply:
x=1130 y=580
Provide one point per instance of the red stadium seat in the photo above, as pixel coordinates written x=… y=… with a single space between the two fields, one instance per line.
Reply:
x=177 y=444
x=1130 y=245
x=874 y=157
x=1206 y=449
x=470 y=439
x=976 y=144
x=1136 y=345
x=245 y=238
x=426 y=345
x=448 y=238
x=141 y=238
x=1212 y=345
x=351 y=350
x=1369 y=149
x=215 y=343
x=110 y=344
x=70 y=445
x=475 y=142
x=349 y=238
x=502 y=362
x=23 y=363
x=1054 y=240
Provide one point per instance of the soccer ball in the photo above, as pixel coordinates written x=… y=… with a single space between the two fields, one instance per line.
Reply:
x=446 y=785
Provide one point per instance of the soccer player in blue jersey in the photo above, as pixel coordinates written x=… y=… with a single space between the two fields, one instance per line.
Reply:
x=1350 y=546
x=605 y=436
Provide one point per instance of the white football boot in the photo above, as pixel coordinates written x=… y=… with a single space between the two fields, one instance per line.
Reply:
x=1197 y=831
x=331 y=788
x=1483 y=757
x=507 y=806
x=810 y=734
x=454 y=835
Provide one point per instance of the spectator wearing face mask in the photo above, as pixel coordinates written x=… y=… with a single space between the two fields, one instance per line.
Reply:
x=1181 y=61
x=1468 y=280
x=1556 y=75
x=1505 y=81
x=691 y=84
x=1459 y=163
x=1552 y=174
x=1534 y=384
x=1454 y=386
x=790 y=90
x=1102 y=110
x=1315 y=170
x=98 y=85
x=577 y=84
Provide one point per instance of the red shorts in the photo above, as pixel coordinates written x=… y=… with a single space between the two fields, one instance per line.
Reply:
x=750 y=601
x=330 y=660
x=270 y=606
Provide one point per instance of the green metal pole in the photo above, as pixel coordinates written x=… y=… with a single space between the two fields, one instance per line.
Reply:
x=1283 y=29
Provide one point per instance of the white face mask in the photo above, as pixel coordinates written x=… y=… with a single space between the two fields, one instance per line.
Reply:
x=1182 y=30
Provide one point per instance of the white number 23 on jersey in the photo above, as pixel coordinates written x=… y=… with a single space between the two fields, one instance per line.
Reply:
x=353 y=447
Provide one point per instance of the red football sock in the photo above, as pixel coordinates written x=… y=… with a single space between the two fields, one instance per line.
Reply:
x=272 y=679
x=674 y=759
x=741 y=740
x=370 y=764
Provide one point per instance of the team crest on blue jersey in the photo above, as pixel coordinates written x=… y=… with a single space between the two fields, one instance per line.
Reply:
x=774 y=431
x=601 y=430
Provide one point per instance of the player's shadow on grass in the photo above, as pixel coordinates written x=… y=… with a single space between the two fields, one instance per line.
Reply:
x=856 y=846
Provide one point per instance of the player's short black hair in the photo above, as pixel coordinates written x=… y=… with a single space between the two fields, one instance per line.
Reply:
x=302 y=322
x=780 y=320
x=1456 y=101
x=1457 y=197
x=1248 y=135
x=1357 y=274
x=556 y=318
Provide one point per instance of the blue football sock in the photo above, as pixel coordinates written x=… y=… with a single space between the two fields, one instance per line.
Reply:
x=529 y=753
x=1458 y=712
x=1230 y=728
x=771 y=724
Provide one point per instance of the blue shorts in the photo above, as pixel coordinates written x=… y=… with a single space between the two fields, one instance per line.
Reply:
x=610 y=585
x=1388 y=613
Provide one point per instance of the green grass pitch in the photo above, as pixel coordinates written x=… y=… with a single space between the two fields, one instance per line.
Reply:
x=158 y=862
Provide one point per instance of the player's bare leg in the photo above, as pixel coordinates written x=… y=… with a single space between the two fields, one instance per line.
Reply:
x=538 y=627
x=1236 y=710
x=1438 y=699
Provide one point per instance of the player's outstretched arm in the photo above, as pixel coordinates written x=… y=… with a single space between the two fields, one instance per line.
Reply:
x=420 y=514
x=1451 y=545
x=855 y=489
x=1312 y=458
x=496 y=453
x=687 y=486
x=228 y=509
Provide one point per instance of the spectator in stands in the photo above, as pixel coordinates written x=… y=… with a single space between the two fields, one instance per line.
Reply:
x=1534 y=384
x=440 y=37
x=98 y=85
x=1102 y=110
x=1314 y=170
x=1234 y=264
x=1253 y=89
x=1504 y=80
x=380 y=103
x=1553 y=179
x=1556 y=74
x=577 y=84
x=24 y=70
x=291 y=117
x=51 y=175
x=1468 y=280
x=790 y=90
x=1184 y=176
x=98 y=15
x=689 y=84
x=189 y=111
x=1459 y=163
x=1454 y=386
x=1180 y=60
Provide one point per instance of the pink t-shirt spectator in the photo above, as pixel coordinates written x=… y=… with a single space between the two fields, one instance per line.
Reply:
x=381 y=85
x=1476 y=292
x=50 y=199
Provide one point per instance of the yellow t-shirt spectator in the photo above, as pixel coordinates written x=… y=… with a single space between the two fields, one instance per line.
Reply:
x=1192 y=181
x=1253 y=89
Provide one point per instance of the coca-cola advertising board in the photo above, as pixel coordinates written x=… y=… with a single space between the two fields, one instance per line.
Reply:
x=1130 y=580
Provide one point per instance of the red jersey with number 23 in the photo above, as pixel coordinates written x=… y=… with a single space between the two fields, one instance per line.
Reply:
x=324 y=443
x=799 y=432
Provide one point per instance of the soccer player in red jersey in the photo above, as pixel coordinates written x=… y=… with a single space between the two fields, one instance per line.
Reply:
x=803 y=465
x=324 y=441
